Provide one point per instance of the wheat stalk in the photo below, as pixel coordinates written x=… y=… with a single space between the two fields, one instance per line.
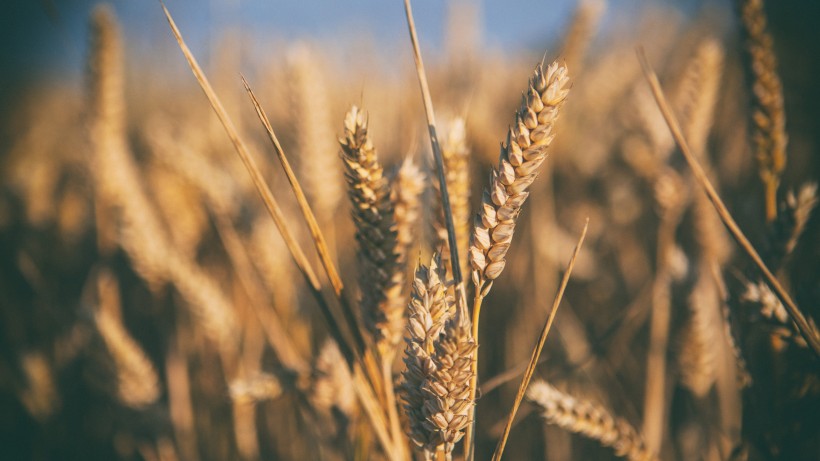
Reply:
x=585 y=418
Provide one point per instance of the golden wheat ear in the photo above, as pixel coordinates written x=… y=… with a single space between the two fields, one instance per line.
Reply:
x=590 y=420
x=768 y=116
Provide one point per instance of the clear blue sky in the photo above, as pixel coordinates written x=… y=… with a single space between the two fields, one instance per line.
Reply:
x=49 y=37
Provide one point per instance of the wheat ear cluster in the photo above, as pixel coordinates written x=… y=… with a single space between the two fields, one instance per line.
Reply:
x=438 y=359
x=379 y=273
x=523 y=153
x=585 y=418
x=456 y=157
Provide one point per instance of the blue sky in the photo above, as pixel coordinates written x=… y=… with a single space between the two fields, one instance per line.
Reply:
x=49 y=37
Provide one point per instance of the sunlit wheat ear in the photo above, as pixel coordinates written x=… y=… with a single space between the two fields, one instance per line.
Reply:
x=768 y=116
x=449 y=402
x=373 y=215
x=429 y=308
x=137 y=384
x=585 y=418
x=456 y=156
x=521 y=155
x=319 y=172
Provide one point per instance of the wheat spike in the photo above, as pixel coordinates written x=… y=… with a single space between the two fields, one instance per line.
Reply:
x=438 y=360
x=520 y=158
x=698 y=356
x=456 y=156
x=429 y=307
x=373 y=214
x=585 y=418
x=313 y=132
x=768 y=117
x=137 y=383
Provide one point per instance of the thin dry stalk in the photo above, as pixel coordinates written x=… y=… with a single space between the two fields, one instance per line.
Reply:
x=266 y=195
x=117 y=177
x=671 y=202
x=768 y=116
x=461 y=297
x=362 y=386
x=806 y=330
x=318 y=238
x=585 y=418
x=536 y=353
x=180 y=405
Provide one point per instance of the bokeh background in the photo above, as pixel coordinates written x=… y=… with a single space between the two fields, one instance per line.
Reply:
x=61 y=393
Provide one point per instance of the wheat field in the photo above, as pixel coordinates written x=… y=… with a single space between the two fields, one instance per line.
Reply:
x=288 y=258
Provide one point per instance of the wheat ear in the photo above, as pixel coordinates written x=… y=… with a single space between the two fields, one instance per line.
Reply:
x=137 y=383
x=438 y=360
x=373 y=215
x=768 y=116
x=585 y=418
x=456 y=156
x=521 y=155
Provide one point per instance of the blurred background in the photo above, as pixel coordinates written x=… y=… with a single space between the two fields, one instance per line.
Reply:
x=123 y=276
